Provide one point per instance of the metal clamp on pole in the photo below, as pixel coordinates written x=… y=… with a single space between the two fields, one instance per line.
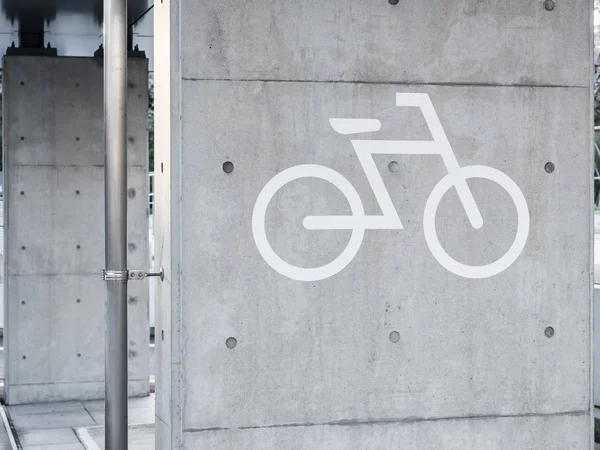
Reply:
x=134 y=274
x=114 y=275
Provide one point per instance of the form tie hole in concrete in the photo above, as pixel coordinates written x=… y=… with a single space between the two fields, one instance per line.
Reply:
x=549 y=167
x=549 y=5
x=393 y=2
x=78 y=300
x=78 y=246
x=130 y=139
x=231 y=343
x=394 y=167
x=22 y=247
x=22 y=192
x=76 y=84
x=394 y=336
x=22 y=83
x=549 y=332
x=22 y=302
x=22 y=138
x=79 y=355
x=77 y=139
x=227 y=167
x=77 y=192
x=23 y=357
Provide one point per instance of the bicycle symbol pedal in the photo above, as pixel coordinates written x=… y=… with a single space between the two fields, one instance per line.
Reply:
x=358 y=222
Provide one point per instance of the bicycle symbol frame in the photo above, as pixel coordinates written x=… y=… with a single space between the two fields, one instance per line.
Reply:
x=359 y=222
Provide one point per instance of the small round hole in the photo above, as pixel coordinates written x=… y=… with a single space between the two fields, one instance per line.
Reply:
x=227 y=167
x=77 y=192
x=77 y=138
x=79 y=355
x=22 y=302
x=231 y=343
x=393 y=2
x=549 y=167
x=78 y=246
x=549 y=5
x=22 y=83
x=22 y=192
x=394 y=336
x=22 y=247
x=23 y=357
x=394 y=166
x=549 y=332
x=22 y=138
x=78 y=300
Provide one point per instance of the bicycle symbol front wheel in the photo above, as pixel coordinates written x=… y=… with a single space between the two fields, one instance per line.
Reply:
x=433 y=203
x=260 y=211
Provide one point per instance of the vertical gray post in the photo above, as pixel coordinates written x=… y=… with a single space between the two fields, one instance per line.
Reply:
x=115 y=182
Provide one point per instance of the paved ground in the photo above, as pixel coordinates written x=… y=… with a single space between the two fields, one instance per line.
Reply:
x=78 y=425
x=4 y=439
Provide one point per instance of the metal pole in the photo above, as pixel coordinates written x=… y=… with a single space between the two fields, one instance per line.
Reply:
x=115 y=187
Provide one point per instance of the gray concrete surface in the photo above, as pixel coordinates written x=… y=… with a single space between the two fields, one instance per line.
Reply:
x=54 y=228
x=5 y=443
x=77 y=425
x=314 y=366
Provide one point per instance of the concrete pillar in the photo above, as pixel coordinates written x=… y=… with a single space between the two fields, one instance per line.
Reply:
x=399 y=346
x=54 y=228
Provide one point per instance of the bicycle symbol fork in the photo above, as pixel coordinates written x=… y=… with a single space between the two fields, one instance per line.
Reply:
x=358 y=221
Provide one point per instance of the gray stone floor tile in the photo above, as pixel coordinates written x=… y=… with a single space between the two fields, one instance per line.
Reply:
x=58 y=425
x=55 y=447
x=141 y=437
x=134 y=402
x=135 y=416
x=48 y=436
x=41 y=408
x=52 y=420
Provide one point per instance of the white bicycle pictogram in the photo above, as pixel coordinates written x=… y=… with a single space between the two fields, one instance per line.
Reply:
x=358 y=222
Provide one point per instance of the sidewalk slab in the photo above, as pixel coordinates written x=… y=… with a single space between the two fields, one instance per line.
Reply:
x=76 y=425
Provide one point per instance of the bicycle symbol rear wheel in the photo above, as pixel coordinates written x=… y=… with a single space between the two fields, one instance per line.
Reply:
x=260 y=210
x=433 y=203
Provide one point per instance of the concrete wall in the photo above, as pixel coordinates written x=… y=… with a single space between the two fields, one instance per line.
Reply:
x=394 y=351
x=54 y=228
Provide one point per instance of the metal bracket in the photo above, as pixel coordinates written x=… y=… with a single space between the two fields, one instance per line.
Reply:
x=141 y=274
x=124 y=275
x=114 y=275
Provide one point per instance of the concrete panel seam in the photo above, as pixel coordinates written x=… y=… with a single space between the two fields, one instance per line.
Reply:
x=86 y=410
x=407 y=420
x=391 y=83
